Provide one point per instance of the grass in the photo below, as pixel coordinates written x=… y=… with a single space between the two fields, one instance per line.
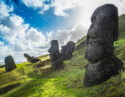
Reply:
x=119 y=43
x=122 y=26
x=119 y=49
x=64 y=83
x=14 y=76
x=51 y=85
x=80 y=41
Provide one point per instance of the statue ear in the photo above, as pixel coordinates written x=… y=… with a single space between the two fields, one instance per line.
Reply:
x=92 y=18
x=115 y=32
x=116 y=26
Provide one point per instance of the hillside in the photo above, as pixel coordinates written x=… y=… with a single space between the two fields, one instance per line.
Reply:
x=32 y=80
x=65 y=83
x=122 y=26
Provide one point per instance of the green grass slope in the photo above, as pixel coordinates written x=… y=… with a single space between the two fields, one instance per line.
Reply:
x=64 y=83
x=122 y=26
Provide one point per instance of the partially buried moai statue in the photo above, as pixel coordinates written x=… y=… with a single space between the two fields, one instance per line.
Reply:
x=67 y=50
x=31 y=59
x=55 y=56
x=99 y=46
x=9 y=63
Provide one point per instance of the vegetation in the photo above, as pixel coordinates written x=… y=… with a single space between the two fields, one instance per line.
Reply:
x=64 y=83
x=122 y=26
x=38 y=81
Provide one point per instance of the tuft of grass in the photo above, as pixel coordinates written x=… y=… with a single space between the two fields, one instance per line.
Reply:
x=119 y=43
x=119 y=49
x=80 y=41
x=44 y=57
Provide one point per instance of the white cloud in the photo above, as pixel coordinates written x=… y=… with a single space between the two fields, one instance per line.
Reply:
x=1 y=43
x=16 y=20
x=86 y=7
x=33 y=3
x=18 y=37
x=63 y=36
x=61 y=6
x=37 y=4
x=21 y=38
x=4 y=10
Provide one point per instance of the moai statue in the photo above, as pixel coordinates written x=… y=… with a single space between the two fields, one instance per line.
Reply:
x=67 y=50
x=55 y=56
x=9 y=63
x=99 y=46
x=31 y=59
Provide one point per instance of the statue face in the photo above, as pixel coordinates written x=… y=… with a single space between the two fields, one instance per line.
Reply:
x=54 y=42
x=54 y=47
x=104 y=23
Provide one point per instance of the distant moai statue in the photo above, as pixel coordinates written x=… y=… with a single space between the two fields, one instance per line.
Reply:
x=9 y=63
x=31 y=59
x=67 y=50
x=55 y=56
x=100 y=45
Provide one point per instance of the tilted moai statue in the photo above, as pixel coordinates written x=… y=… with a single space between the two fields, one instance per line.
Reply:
x=9 y=63
x=55 y=56
x=67 y=50
x=99 y=46
x=31 y=59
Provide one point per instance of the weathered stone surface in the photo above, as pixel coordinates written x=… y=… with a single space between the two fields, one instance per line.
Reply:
x=55 y=56
x=54 y=50
x=67 y=50
x=102 y=70
x=9 y=63
x=99 y=46
x=31 y=59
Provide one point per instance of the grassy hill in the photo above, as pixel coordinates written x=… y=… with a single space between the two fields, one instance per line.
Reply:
x=122 y=26
x=33 y=80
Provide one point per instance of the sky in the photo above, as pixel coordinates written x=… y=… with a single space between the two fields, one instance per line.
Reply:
x=28 y=26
